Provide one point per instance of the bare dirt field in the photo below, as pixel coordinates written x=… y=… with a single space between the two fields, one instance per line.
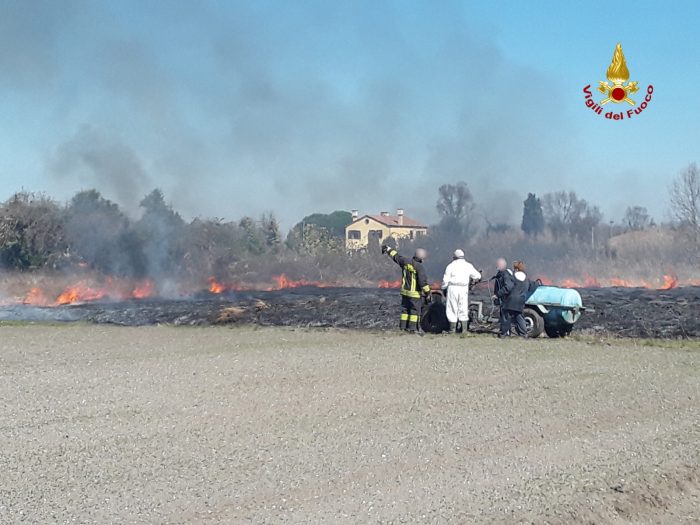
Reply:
x=105 y=424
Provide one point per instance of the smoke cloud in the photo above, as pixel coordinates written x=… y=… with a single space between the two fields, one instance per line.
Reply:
x=94 y=159
x=273 y=107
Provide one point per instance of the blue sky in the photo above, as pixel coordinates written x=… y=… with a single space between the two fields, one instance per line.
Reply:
x=236 y=108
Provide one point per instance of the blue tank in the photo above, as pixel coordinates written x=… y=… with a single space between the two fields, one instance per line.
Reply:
x=562 y=304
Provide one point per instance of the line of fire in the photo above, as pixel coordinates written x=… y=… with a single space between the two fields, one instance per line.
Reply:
x=564 y=239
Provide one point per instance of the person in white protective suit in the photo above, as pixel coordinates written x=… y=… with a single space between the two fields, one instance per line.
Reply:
x=458 y=275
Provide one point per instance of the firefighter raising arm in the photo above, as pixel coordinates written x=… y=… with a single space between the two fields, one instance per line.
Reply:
x=421 y=275
x=414 y=284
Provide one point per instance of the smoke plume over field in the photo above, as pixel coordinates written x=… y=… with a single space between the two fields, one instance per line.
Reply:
x=252 y=116
x=278 y=109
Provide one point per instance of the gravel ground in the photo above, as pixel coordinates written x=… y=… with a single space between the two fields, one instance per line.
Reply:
x=104 y=424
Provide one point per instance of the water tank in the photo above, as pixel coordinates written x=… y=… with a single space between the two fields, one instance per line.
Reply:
x=552 y=296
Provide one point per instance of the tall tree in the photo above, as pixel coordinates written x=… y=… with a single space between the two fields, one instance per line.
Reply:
x=568 y=216
x=533 y=216
x=271 y=231
x=253 y=236
x=456 y=208
x=31 y=231
x=156 y=210
x=685 y=200
x=97 y=232
x=161 y=231
x=636 y=218
x=334 y=223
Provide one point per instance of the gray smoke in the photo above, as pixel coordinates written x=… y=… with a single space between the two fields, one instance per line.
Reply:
x=268 y=115
x=95 y=159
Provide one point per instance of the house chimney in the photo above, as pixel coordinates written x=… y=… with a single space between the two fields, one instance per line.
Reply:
x=354 y=214
x=399 y=212
x=384 y=214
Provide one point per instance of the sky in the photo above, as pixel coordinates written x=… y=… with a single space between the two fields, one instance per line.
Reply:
x=239 y=108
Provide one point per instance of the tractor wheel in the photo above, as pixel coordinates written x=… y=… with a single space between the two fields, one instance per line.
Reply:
x=565 y=330
x=558 y=331
x=434 y=318
x=534 y=322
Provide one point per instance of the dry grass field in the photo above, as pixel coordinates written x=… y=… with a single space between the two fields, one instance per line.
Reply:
x=101 y=424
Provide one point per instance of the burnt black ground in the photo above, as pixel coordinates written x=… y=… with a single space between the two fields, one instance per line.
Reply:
x=626 y=312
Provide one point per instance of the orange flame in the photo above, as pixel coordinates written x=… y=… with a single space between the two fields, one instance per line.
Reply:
x=282 y=282
x=122 y=289
x=36 y=297
x=591 y=282
x=279 y=282
x=83 y=291
x=670 y=281
x=80 y=292
x=570 y=283
x=215 y=286
x=143 y=290
x=620 y=283
x=218 y=287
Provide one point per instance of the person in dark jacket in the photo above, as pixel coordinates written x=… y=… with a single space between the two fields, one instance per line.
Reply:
x=503 y=283
x=414 y=285
x=514 y=302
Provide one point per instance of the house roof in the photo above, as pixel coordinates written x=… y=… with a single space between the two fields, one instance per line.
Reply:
x=392 y=221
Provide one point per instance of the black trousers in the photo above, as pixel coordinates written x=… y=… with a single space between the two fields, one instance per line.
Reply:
x=410 y=313
x=509 y=317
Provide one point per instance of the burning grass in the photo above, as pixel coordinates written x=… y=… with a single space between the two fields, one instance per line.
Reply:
x=47 y=290
x=666 y=282
x=110 y=289
x=626 y=312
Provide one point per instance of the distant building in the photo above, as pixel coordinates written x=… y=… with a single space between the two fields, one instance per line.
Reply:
x=378 y=228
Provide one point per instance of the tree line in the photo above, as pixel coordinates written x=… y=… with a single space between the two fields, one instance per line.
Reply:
x=90 y=230
x=36 y=231
x=566 y=216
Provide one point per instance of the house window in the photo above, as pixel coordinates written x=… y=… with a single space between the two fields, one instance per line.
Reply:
x=354 y=235
x=411 y=234
x=376 y=233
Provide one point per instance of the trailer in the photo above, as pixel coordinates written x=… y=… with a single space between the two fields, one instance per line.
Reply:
x=550 y=310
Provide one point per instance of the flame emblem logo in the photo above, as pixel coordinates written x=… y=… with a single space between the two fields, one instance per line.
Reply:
x=618 y=89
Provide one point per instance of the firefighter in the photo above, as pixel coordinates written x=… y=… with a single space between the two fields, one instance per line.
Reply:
x=458 y=275
x=414 y=285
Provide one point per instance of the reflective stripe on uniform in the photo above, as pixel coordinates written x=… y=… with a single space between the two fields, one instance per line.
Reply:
x=409 y=278
x=413 y=318
x=408 y=281
x=404 y=316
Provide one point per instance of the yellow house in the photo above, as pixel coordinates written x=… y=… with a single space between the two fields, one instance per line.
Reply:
x=380 y=227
